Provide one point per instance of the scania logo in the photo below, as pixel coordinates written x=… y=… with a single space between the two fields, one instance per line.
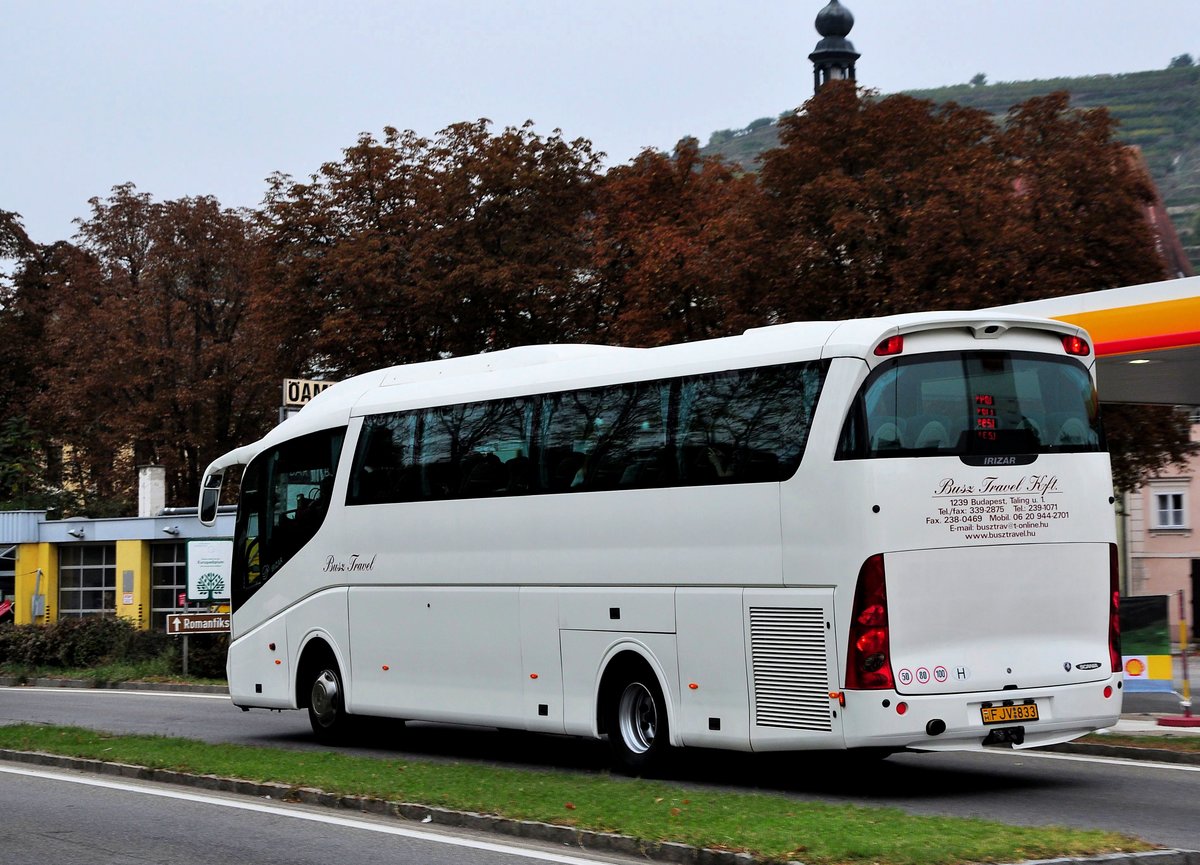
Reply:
x=1067 y=666
x=1090 y=665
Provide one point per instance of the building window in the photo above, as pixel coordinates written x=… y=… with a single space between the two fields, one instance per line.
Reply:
x=8 y=581
x=1170 y=511
x=87 y=580
x=168 y=582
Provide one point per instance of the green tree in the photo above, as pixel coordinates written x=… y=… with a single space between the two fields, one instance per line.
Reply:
x=24 y=481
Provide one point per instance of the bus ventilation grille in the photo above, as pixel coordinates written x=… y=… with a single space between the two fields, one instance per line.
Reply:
x=791 y=676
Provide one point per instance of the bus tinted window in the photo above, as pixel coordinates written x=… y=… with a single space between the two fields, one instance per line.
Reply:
x=741 y=426
x=973 y=403
x=285 y=495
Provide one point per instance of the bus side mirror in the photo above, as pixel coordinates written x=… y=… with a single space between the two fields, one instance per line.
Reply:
x=210 y=498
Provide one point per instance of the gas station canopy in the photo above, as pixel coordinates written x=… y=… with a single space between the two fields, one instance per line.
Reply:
x=1146 y=338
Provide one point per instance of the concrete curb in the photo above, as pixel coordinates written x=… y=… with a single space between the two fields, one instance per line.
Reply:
x=584 y=839
x=1127 y=752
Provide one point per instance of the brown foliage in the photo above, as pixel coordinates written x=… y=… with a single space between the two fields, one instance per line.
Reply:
x=676 y=249
x=410 y=249
x=151 y=352
x=898 y=204
x=1145 y=439
x=1077 y=223
x=884 y=205
x=14 y=242
x=163 y=333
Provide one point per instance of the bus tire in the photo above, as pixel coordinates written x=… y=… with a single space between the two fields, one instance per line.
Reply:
x=636 y=721
x=327 y=704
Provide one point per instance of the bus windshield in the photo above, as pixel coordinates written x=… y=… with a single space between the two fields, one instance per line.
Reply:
x=285 y=495
x=973 y=404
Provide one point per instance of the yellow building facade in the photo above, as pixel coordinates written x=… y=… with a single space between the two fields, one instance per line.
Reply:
x=134 y=568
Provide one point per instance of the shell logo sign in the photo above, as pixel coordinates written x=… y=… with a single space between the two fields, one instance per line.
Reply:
x=1136 y=668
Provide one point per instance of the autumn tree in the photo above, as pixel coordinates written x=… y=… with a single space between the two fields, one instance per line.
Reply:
x=338 y=253
x=896 y=204
x=1077 y=218
x=14 y=242
x=676 y=249
x=30 y=467
x=1145 y=439
x=150 y=351
x=883 y=205
x=411 y=249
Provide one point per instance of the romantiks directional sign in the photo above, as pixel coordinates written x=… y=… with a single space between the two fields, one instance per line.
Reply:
x=179 y=624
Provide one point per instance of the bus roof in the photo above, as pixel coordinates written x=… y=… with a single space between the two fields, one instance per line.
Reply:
x=545 y=368
x=538 y=368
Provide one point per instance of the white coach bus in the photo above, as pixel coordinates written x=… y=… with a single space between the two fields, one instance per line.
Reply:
x=880 y=534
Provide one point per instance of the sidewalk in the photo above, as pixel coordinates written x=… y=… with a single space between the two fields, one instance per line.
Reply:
x=1147 y=725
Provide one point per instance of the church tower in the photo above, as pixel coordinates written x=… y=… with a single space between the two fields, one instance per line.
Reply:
x=833 y=58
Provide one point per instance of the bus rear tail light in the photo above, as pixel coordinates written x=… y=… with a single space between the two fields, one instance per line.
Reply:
x=868 y=662
x=1077 y=346
x=1114 y=608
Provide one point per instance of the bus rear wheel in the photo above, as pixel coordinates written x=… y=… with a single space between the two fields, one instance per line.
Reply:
x=326 y=705
x=637 y=723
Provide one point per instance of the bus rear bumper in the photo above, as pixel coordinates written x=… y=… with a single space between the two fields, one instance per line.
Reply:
x=956 y=722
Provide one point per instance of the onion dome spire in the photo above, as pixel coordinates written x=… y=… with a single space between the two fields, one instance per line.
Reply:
x=833 y=58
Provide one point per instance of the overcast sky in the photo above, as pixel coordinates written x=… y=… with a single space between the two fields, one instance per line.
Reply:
x=208 y=98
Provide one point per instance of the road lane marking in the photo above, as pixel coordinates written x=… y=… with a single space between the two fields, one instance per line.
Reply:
x=1087 y=758
x=298 y=813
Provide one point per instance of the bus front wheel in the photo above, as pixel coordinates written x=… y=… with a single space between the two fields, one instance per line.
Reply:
x=326 y=705
x=637 y=723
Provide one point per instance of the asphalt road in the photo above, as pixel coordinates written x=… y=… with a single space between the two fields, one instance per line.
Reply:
x=70 y=818
x=1158 y=802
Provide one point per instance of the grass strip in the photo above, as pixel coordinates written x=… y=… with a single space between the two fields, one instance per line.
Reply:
x=1185 y=743
x=770 y=826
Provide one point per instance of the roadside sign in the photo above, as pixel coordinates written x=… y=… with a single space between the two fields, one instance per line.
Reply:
x=298 y=391
x=182 y=624
x=209 y=564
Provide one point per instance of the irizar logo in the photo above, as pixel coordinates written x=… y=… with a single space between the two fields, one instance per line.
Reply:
x=999 y=461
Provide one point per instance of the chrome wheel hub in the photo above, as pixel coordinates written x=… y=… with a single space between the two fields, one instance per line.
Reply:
x=637 y=716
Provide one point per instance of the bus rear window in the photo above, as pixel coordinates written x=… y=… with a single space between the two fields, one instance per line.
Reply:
x=973 y=404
